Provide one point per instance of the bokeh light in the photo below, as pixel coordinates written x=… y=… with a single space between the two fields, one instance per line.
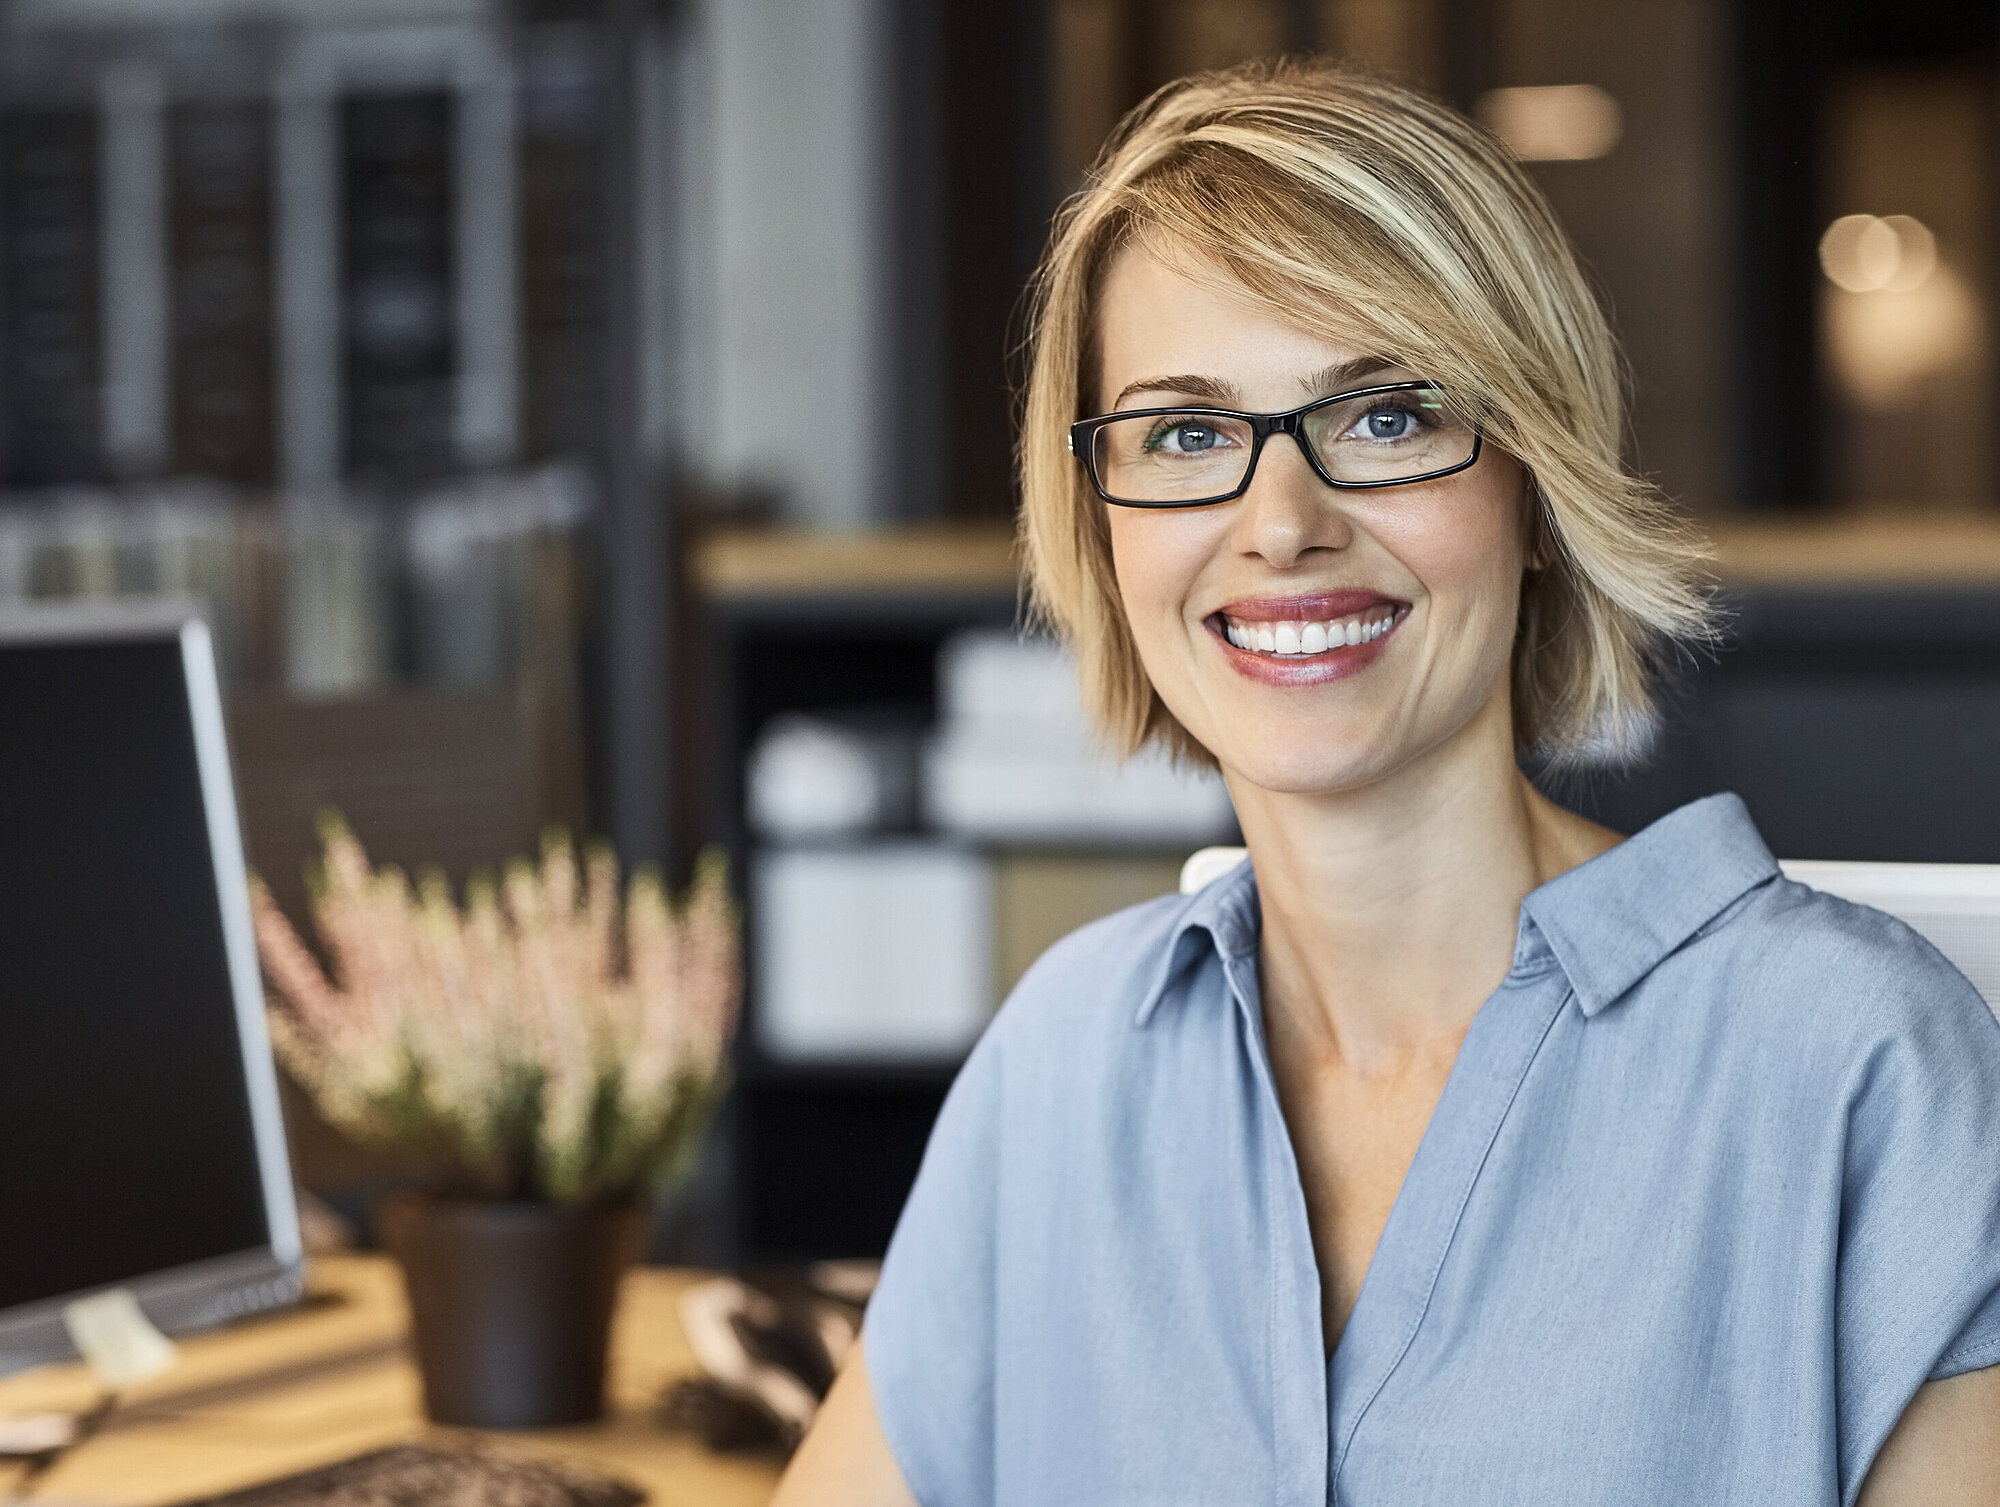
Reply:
x=1554 y=122
x=1878 y=253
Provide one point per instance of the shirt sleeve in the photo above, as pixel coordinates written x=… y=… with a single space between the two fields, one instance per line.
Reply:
x=1918 y=1278
x=929 y=1332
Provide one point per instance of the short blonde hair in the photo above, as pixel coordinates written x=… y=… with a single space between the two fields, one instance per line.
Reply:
x=1367 y=212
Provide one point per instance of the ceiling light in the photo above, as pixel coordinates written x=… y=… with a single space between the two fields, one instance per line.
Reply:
x=1554 y=122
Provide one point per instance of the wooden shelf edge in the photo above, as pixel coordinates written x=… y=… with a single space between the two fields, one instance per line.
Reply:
x=1857 y=550
x=788 y=562
x=1842 y=550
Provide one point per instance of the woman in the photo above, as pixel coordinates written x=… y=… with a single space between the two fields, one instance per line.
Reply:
x=1670 y=1180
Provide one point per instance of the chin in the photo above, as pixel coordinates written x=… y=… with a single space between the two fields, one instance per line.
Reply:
x=1306 y=769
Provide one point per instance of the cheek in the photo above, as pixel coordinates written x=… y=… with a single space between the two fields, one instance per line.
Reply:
x=1157 y=558
x=1469 y=553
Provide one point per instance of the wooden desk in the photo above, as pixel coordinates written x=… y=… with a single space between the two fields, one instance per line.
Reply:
x=283 y=1395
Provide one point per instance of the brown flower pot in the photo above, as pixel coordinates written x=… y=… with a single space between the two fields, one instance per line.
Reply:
x=511 y=1305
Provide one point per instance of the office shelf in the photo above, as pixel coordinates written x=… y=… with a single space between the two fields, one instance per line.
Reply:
x=1887 y=627
x=824 y=1150
x=822 y=1153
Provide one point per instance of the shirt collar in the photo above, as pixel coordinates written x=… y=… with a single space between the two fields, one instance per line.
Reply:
x=1609 y=922
x=1612 y=920
x=1223 y=915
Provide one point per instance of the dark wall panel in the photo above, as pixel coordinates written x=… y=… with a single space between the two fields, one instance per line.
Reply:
x=49 y=311
x=1855 y=725
x=219 y=235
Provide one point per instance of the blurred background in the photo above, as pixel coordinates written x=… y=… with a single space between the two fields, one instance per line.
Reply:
x=598 y=412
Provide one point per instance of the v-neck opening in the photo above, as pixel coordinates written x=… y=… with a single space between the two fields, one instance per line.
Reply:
x=1500 y=1046
x=1517 y=978
x=1501 y=1042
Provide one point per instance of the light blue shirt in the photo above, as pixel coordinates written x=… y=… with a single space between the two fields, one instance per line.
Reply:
x=1712 y=1189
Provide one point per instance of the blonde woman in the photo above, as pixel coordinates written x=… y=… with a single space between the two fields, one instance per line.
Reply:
x=1453 y=1149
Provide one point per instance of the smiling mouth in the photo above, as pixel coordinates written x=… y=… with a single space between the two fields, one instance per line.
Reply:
x=1298 y=639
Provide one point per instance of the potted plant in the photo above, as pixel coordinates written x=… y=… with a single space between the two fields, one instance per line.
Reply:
x=553 y=1052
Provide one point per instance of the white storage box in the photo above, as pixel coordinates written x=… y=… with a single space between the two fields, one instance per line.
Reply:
x=1015 y=761
x=876 y=953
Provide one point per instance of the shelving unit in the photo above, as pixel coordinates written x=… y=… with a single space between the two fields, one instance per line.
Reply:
x=824 y=1152
x=1903 y=609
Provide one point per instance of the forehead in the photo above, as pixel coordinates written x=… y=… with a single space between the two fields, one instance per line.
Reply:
x=1163 y=317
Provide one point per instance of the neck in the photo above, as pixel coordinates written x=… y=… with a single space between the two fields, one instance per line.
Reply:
x=1390 y=911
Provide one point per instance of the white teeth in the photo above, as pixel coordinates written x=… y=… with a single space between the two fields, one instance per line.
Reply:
x=1294 y=639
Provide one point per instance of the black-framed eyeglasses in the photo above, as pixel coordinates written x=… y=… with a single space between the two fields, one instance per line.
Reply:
x=1189 y=457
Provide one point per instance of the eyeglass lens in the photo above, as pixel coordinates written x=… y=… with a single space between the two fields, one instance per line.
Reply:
x=1167 y=457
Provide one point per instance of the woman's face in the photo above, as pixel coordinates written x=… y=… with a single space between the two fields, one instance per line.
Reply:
x=1427 y=576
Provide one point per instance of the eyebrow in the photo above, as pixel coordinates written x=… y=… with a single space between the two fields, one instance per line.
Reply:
x=1208 y=389
x=1345 y=374
x=1224 y=394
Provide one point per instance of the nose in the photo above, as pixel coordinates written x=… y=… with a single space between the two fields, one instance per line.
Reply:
x=1288 y=510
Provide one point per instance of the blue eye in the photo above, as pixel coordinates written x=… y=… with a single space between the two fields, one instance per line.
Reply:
x=1388 y=424
x=1184 y=438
